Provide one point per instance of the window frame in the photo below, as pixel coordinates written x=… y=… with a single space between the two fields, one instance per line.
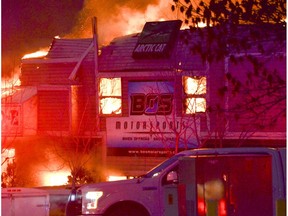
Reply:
x=119 y=97
x=194 y=96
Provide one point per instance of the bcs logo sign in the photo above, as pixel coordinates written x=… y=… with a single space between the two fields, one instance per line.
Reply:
x=151 y=104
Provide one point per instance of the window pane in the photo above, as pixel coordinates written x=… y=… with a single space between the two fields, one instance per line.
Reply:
x=110 y=87
x=195 y=105
x=194 y=85
x=110 y=106
x=110 y=95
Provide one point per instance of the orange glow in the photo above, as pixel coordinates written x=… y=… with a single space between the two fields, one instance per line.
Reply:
x=11 y=81
x=195 y=85
x=116 y=178
x=10 y=85
x=123 y=19
x=195 y=89
x=110 y=95
x=7 y=156
x=110 y=106
x=132 y=20
x=37 y=54
x=195 y=105
x=54 y=178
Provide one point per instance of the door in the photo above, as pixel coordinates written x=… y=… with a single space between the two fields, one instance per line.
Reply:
x=237 y=185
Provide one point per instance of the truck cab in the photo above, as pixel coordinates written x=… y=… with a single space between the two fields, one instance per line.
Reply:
x=141 y=196
x=173 y=187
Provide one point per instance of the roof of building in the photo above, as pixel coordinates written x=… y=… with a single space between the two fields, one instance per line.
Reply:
x=68 y=48
x=118 y=55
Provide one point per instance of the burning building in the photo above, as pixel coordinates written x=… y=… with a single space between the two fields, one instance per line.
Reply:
x=146 y=96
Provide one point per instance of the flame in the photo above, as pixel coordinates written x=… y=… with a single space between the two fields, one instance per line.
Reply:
x=10 y=85
x=135 y=20
x=110 y=91
x=115 y=19
x=7 y=156
x=55 y=178
x=116 y=178
x=37 y=54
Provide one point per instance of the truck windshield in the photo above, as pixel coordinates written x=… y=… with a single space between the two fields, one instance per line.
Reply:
x=159 y=168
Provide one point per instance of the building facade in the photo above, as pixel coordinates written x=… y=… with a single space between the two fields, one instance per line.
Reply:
x=149 y=95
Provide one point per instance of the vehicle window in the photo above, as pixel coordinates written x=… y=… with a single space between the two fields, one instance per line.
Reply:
x=158 y=169
x=164 y=178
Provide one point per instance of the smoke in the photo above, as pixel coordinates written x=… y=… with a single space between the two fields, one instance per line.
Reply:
x=117 y=18
x=29 y=25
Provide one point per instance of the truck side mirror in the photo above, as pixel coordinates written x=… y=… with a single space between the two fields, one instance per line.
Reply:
x=172 y=177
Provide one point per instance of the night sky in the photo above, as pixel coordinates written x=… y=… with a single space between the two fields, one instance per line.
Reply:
x=29 y=25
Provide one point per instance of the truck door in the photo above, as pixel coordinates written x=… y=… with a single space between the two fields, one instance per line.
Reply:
x=237 y=185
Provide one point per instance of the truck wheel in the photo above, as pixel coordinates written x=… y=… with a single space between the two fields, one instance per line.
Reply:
x=125 y=210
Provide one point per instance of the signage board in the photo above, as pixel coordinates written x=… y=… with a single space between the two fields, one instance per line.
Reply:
x=157 y=39
x=152 y=123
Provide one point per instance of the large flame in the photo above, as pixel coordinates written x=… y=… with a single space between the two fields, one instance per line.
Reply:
x=10 y=85
x=116 y=18
x=54 y=178
x=37 y=54
x=134 y=20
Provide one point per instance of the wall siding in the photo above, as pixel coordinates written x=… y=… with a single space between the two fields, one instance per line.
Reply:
x=53 y=110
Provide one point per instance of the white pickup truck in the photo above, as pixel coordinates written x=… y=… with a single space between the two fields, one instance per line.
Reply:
x=223 y=182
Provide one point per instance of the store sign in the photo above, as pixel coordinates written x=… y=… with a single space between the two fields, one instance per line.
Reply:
x=150 y=98
x=151 y=104
x=157 y=39
x=145 y=132
x=151 y=124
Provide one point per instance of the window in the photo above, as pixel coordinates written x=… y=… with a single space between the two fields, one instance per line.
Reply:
x=110 y=96
x=194 y=94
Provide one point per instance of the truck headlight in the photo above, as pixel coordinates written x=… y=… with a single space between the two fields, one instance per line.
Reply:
x=90 y=201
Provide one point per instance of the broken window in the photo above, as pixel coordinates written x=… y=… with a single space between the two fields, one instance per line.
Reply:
x=110 y=94
x=194 y=94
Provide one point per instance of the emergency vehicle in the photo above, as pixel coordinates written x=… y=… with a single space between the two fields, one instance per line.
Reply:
x=219 y=181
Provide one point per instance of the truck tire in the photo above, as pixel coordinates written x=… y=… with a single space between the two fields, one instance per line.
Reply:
x=127 y=210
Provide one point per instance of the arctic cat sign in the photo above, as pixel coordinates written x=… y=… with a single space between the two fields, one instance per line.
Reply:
x=157 y=39
x=150 y=48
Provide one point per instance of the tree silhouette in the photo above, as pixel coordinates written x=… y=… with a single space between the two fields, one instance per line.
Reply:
x=246 y=35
